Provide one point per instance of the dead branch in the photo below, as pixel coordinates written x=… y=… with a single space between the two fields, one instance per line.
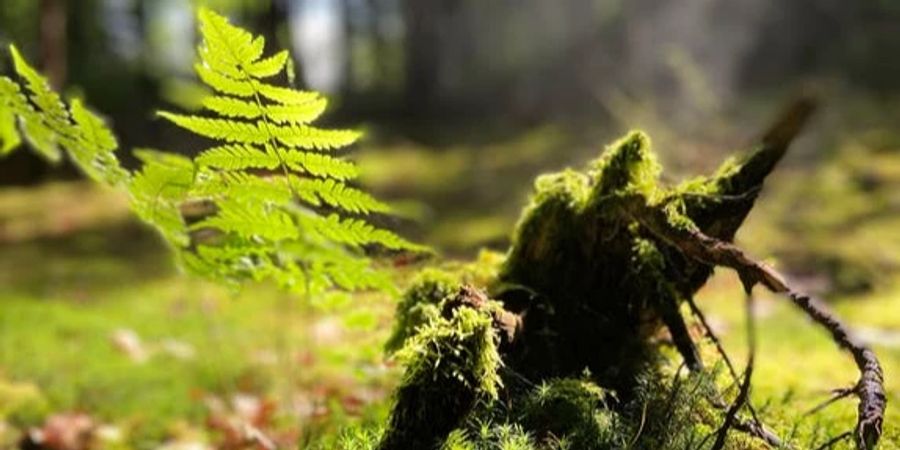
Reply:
x=714 y=252
x=744 y=392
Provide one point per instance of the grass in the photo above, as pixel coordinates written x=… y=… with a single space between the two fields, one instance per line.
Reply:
x=67 y=300
x=75 y=282
x=797 y=364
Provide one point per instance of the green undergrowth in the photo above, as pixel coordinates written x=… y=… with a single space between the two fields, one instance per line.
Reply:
x=66 y=290
x=69 y=301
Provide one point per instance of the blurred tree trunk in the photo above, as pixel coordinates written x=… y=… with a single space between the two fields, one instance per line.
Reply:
x=23 y=167
x=422 y=20
x=272 y=24
x=53 y=40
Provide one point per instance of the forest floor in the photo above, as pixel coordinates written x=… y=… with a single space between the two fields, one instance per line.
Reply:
x=98 y=331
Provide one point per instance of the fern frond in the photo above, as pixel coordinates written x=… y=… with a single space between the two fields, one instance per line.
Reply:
x=233 y=107
x=356 y=232
x=308 y=137
x=319 y=165
x=222 y=83
x=299 y=113
x=238 y=157
x=40 y=93
x=269 y=174
x=270 y=66
x=93 y=149
x=286 y=96
x=251 y=220
x=9 y=135
x=158 y=190
x=48 y=125
x=221 y=129
x=336 y=194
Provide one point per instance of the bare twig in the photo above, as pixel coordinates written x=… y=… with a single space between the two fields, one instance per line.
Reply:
x=744 y=391
x=754 y=426
x=831 y=442
x=836 y=395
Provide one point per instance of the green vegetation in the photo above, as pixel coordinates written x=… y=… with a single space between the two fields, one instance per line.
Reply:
x=230 y=213
x=569 y=352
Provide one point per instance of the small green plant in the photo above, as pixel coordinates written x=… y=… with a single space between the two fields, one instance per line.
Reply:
x=270 y=198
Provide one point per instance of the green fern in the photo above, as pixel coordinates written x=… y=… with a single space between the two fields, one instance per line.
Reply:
x=49 y=125
x=269 y=199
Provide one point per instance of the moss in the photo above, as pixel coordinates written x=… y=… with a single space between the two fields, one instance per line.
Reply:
x=462 y=347
x=548 y=228
x=451 y=364
x=574 y=410
x=592 y=288
x=419 y=304
x=627 y=166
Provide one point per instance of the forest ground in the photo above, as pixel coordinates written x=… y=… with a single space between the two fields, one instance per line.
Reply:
x=97 y=326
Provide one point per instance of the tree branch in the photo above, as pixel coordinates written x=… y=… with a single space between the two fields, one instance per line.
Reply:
x=708 y=250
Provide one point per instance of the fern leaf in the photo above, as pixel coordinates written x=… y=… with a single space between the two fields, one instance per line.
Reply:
x=308 y=137
x=158 y=190
x=226 y=47
x=41 y=137
x=246 y=187
x=233 y=107
x=338 y=195
x=238 y=157
x=222 y=83
x=10 y=98
x=221 y=129
x=357 y=232
x=93 y=151
x=268 y=158
x=286 y=96
x=34 y=128
x=270 y=66
x=298 y=114
x=251 y=220
x=319 y=165
x=48 y=101
x=9 y=135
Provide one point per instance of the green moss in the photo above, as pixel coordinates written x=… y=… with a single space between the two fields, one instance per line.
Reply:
x=451 y=364
x=419 y=304
x=549 y=226
x=627 y=166
x=593 y=288
x=462 y=347
x=573 y=410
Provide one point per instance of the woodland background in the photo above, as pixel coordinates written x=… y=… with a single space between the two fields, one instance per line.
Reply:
x=463 y=103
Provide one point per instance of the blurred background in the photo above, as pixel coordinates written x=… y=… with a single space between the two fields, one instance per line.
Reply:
x=463 y=103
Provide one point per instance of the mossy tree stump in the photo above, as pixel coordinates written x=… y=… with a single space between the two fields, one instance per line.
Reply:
x=600 y=262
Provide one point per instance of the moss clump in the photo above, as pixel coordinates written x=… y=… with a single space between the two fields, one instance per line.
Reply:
x=451 y=362
x=575 y=411
x=588 y=288
x=419 y=304
x=628 y=166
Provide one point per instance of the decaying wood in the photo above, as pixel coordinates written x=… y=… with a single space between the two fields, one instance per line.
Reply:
x=597 y=267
